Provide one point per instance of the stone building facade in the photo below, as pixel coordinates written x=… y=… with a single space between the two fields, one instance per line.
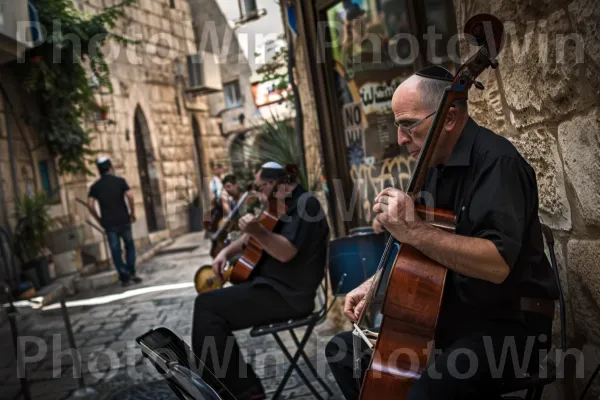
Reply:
x=233 y=112
x=545 y=98
x=153 y=133
x=151 y=130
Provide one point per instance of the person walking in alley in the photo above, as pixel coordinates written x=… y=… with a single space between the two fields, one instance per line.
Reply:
x=110 y=192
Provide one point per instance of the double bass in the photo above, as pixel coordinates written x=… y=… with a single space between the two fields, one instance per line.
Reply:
x=267 y=212
x=415 y=283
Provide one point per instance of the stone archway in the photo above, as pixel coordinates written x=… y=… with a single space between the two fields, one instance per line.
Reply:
x=148 y=173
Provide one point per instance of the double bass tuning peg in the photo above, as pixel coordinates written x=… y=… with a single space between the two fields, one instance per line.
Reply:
x=479 y=85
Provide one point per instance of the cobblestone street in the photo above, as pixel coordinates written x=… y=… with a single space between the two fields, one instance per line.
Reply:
x=105 y=336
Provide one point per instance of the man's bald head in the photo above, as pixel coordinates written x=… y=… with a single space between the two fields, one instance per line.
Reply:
x=424 y=94
x=414 y=103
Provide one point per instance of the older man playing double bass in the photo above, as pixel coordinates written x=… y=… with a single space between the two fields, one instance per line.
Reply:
x=499 y=286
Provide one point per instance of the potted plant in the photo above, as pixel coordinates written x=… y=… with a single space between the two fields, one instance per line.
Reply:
x=32 y=228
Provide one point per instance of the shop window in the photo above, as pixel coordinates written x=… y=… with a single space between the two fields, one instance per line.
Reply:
x=374 y=45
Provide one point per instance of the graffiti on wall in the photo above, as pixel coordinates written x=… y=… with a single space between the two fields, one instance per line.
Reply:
x=370 y=179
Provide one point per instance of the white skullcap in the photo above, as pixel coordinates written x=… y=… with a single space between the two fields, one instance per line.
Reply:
x=102 y=160
x=271 y=165
x=271 y=171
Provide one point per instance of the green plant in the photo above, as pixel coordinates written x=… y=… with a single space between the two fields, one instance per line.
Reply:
x=276 y=71
x=55 y=73
x=278 y=142
x=32 y=227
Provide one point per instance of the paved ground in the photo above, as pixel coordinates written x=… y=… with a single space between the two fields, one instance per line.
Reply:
x=111 y=360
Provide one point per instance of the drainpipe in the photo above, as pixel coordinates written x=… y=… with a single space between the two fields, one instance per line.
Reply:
x=297 y=104
x=3 y=201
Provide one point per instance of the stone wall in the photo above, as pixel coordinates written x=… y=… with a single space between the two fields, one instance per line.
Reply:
x=16 y=114
x=545 y=98
x=214 y=34
x=312 y=141
x=144 y=78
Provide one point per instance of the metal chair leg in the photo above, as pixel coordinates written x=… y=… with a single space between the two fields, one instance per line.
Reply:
x=538 y=393
x=310 y=365
x=294 y=365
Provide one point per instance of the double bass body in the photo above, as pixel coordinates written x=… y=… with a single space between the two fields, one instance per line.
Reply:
x=410 y=310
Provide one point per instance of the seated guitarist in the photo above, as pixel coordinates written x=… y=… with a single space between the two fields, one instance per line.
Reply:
x=283 y=284
x=500 y=287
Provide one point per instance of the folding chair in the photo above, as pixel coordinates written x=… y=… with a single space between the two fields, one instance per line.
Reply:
x=309 y=322
x=534 y=384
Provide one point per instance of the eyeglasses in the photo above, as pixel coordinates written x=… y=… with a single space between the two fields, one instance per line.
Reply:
x=408 y=129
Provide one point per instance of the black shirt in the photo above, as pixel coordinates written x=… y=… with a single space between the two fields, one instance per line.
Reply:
x=306 y=227
x=110 y=190
x=492 y=191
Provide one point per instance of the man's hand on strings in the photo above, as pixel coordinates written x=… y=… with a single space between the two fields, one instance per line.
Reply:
x=218 y=265
x=355 y=301
x=248 y=224
x=396 y=212
x=377 y=227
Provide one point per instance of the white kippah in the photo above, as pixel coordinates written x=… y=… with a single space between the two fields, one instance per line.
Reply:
x=271 y=165
x=102 y=160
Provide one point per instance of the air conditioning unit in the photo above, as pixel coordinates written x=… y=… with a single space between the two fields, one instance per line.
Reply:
x=204 y=74
x=250 y=7
x=249 y=13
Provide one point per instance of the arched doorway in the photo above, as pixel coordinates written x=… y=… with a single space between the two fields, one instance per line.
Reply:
x=198 y=144
x=148 y=174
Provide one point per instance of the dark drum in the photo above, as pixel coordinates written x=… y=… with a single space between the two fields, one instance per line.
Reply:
x=353 y=260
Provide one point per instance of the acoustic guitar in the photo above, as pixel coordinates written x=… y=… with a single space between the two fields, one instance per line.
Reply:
x=239 y=268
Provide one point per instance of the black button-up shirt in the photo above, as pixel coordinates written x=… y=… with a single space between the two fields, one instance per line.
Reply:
x=110 y=190
x=306 y=227
x=493 y=192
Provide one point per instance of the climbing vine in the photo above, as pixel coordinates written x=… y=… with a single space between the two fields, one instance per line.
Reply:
x=56 y=73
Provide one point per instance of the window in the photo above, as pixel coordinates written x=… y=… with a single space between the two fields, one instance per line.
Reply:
x=49 y=179
x=195 y=70
x=172 y=3
x=233 y=97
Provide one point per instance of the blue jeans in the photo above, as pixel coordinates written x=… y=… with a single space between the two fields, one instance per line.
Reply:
x=115 y=234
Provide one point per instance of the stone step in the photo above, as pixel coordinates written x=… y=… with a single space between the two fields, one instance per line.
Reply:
x=52 y=293
x=96 y=281
x=89 y=269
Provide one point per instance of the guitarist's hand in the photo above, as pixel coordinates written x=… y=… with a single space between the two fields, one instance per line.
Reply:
x=218 y=265
x=248 y=224
x=355 y=301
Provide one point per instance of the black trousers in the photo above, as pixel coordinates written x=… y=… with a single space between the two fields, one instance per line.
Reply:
x=469 y=362
x=220 y=312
